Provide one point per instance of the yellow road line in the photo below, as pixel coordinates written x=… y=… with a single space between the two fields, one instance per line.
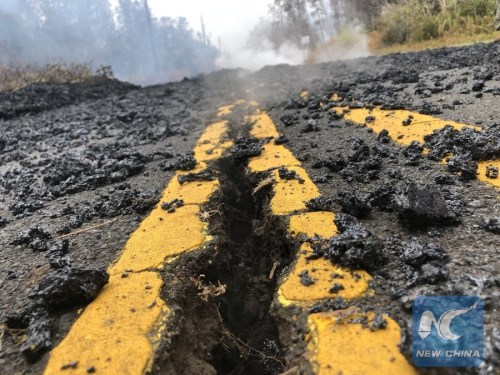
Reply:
x=325 y=275
x=120 y=330
x=481 y=172
x=228 y=109
x=337 y=336
x=190 y=193
x=213 y=142
x=291 y=195
x=160 y=236
x=321 y=271
x=392 y=121
x=273 y=156
x=404 y=127
x=314 y=224
x=263 y=126
x=379 y=347
x=225 y=110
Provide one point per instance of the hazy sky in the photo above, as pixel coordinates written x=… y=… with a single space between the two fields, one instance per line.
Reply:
x=229 y=19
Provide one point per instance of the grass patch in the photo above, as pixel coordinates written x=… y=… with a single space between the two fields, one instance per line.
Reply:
x=411 y=22
x=17 y=77
x=375 y=46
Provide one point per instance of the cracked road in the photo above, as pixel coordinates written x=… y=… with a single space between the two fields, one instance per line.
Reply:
x=281 y=221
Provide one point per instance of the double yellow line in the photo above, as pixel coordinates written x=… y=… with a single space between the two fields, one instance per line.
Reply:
x=120 y=331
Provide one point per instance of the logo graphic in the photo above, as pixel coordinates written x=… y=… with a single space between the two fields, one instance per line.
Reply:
x=455 y=339
x=443 y=324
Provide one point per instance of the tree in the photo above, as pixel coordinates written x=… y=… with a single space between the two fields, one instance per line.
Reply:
x=137 y=46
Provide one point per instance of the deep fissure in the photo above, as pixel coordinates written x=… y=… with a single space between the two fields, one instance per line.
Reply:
x=238 y=332
x=245 y=306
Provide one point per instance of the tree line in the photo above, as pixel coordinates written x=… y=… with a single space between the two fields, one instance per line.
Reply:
x=399 y=21
x=139 y=47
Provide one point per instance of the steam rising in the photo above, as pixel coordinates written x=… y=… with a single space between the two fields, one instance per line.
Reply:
x=143 y=49
x=253 y=59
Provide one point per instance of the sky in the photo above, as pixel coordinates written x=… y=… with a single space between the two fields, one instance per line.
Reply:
x=231 y=20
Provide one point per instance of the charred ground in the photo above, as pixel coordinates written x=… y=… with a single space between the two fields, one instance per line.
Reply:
x=74 y=157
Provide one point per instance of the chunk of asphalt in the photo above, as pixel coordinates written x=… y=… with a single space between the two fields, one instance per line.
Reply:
x=32 y=234
x=416 y=255
x=171 y=206
x=492 y=172
x=354 y=203
x=207 y=175
x=423 y=263
x=311 y=126
x=363 y=163
x=464 y=165
x=289 y=120
x=378 y=322
x=355 y=247
x=70 y=287
x=245 y=148
x=288 y=174
x=424 y=206
x=335 y=163
x=305 y=279
x=281 y=140
x=491 y=224
x=384 y=197
x=320 y=204
x=383 y=136
x=336 y=287
x=481 y=145
x=57 y=254
x=39 y=336
x=413 y=153
x=3 y=221
x=185 y=162
x=337 y=303
x=38 y=325
x=432 y=273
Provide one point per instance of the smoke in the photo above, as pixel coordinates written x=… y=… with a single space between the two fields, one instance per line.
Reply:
x=146 y=50
x=241 y=56
x=139 y=48
x=350 y=43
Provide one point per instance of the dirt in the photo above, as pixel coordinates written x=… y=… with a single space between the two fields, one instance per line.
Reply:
x=238 y=336
x=91 y=162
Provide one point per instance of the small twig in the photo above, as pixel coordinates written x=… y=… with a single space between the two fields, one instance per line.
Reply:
x=2 y=333
x=87 y=229
x=242 y=343
x=292 y=371
x=273 y=270
x=15 y=334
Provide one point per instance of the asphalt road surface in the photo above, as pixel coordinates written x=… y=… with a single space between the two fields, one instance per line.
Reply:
x=281 y=221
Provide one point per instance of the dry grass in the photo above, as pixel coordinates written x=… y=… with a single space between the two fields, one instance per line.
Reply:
x=417 y=24
x=376 y=48
x=208 y=290
x=17 y=77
